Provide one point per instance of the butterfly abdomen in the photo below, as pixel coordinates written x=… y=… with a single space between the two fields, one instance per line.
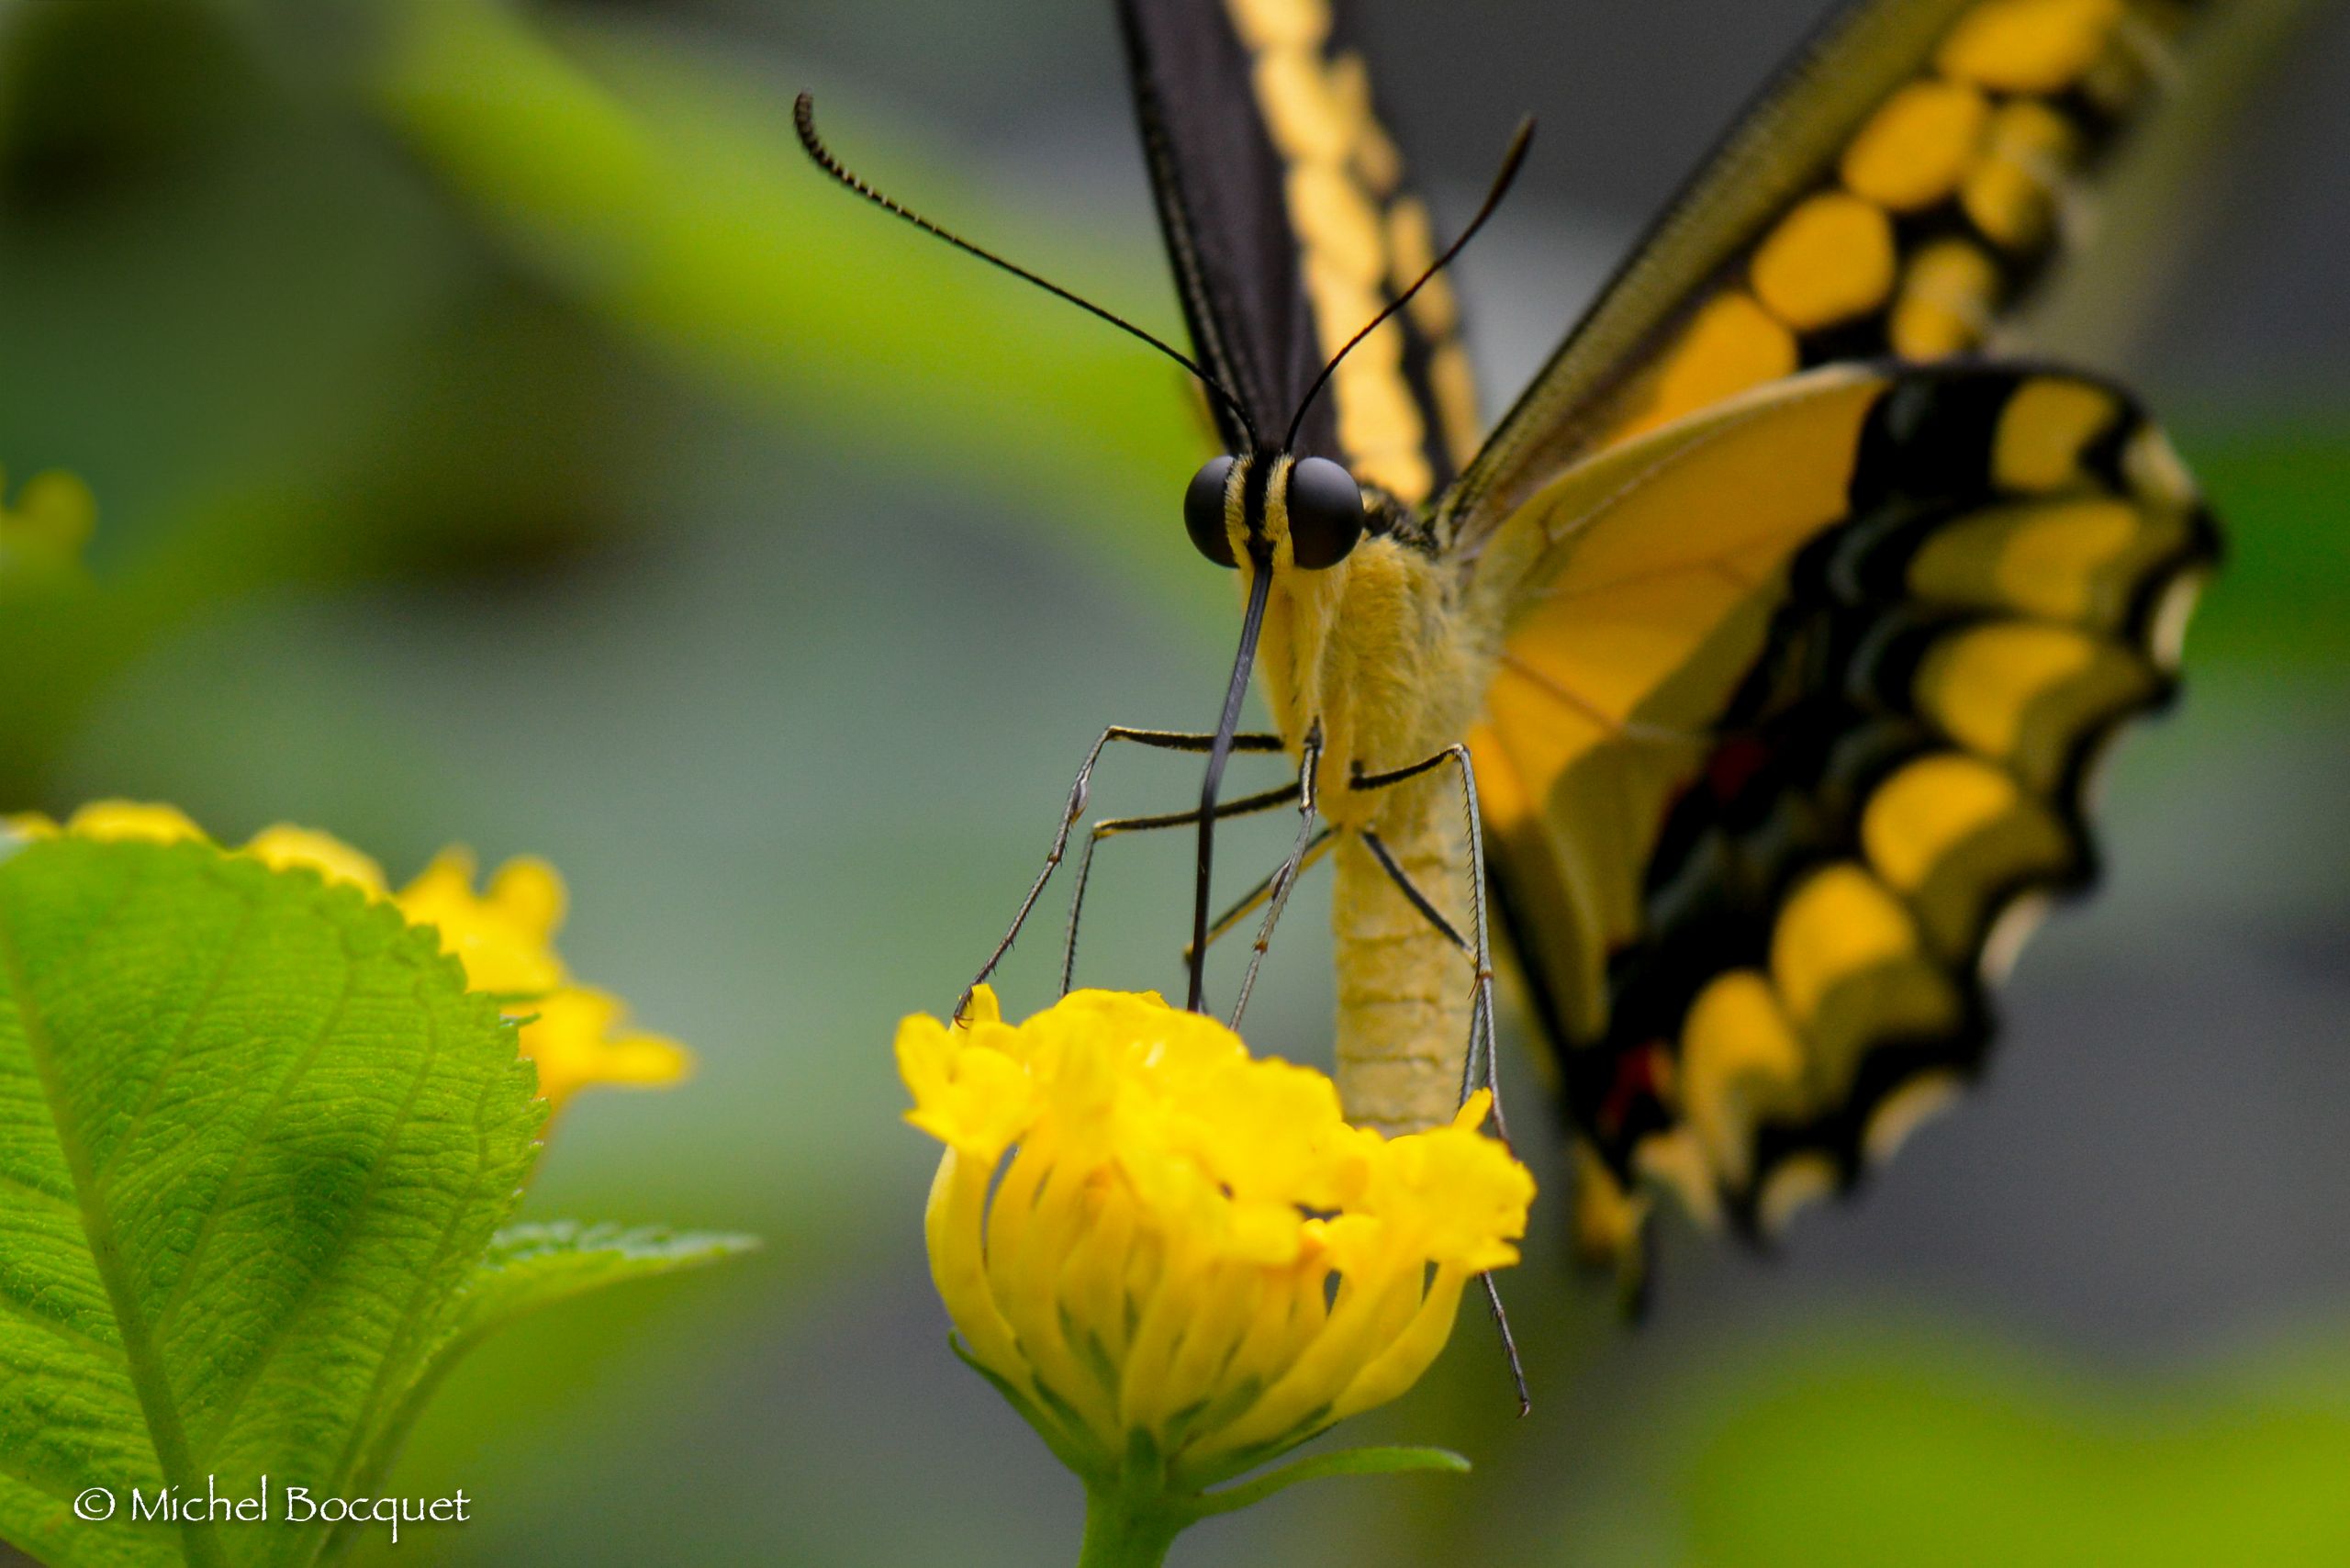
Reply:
x=1402 y=987
x=1372 y=656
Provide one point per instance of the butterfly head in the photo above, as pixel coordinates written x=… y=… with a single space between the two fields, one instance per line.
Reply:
x=1258 y=504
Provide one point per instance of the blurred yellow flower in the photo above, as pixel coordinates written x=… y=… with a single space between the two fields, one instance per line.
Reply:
x=110 y=821
x=577 y=1037
x=42 y=533
x=504 y=936
x=1189 y=1262
x=286 y=845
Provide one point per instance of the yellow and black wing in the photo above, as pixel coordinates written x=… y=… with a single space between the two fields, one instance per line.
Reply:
x=1291 y=228
x=1790 y=737
x=1788 y=734
x=1902 y=189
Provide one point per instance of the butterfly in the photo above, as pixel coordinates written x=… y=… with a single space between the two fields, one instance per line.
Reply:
x=1746 y=677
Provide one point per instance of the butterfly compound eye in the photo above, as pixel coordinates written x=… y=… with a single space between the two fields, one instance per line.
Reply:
x=1203 y=511
x=1324 y=512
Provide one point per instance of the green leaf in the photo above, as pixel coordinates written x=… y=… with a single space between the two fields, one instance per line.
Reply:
x=531 y=1266
x=1939 y=1449
x=664 y=192
x=1345 y=1462
x=254 y=1136
x=2277 y=486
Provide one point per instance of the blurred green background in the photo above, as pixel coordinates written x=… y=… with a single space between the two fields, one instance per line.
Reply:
x=500 y=435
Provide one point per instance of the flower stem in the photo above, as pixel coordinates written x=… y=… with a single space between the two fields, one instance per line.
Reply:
x=1128 y=1528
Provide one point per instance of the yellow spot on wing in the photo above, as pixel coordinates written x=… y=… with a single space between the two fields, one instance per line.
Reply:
x=1794 y=1185
x=2011 y=192
x=1952 y=833
x=1675 y=1160
x=2022 y=694
x=1349 y=83
x=1454 y=385
x=1307 y=120
x=2080 y=561
x=2153 y=468
x=1376 y=157
x=1607 y=1219
x=1342 y=304
x=1905 y=1109
x=1946 y=302
x=1847 y=959
x=1379 y=425
x=2166 y=627
x=2027 y=46
x=1739 y=1058
x=1730 y=344
x=1829 y=260
x=1913 y=151
x=1839 y=922
x=1268 y=24
x=1338 y=224
x=1412 y=242
x=2043 y=429
x=1927 y=810
x=1397 y=470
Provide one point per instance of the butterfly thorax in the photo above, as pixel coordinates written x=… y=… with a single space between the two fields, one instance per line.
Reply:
x=1372 y=654
x=1371 y=650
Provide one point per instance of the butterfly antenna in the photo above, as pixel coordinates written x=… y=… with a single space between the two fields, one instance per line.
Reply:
x=803 y=117
x=1519 y=143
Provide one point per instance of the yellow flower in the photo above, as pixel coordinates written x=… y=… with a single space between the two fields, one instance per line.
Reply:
x=284 y=846
x=1176 y=1258
x=504 y=936
x=575 y=1038
x=116 y=820
x=41 y=535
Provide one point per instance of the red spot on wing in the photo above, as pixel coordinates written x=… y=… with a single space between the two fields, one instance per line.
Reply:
x=1640 y=1076
x=1735 y=762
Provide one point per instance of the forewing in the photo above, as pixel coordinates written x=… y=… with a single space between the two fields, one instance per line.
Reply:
x=1900 y=190
x=1290 y=227
x=1790 y=735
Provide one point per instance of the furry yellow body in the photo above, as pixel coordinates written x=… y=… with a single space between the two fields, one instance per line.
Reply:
x=1376 y=652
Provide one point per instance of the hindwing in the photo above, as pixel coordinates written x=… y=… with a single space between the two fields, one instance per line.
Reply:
x=1791 y=732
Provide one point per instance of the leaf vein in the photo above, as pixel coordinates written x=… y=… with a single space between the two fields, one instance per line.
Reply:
x=27 y=1313
x=417 y=1326
x=222 y=1203
x=148 y=1380
x=353 y=1224
x=62 y=1205
x=228 y=953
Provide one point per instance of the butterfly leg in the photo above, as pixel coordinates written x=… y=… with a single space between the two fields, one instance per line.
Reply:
x=1480 y=946
x=1410 y=889
x=1481 y=1016
x=1254 y=899
x=1309 y=765
x=1161 y=740
x=1109 y=827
